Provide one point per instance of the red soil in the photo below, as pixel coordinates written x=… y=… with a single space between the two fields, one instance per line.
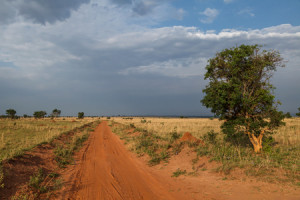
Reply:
x=187 y=137
x=17 y=171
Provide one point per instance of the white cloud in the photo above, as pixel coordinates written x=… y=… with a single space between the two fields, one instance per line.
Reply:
x=188 y=49
x=210 y=15
x=228 y=1
x=247 y=11
x=181 y=68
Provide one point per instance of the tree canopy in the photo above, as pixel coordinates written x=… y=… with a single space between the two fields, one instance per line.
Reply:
x=39 y=114
x=56 y=113
x=239 y=92
x=298 y=114
x=80 y=115
x=11 y=113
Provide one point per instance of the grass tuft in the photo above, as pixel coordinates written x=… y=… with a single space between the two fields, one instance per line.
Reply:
x=179 y=172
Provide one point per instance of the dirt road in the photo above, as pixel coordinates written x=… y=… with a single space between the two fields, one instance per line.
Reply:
x=105 y=169
x=108 y=171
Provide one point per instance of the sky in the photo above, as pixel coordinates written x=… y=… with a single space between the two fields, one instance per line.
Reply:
x=135 y=57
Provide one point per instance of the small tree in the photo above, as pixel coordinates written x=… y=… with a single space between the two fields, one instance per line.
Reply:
x=56 y=113
x=298 y=114
x=288 y=115
x=39 y=114
x=239 y=92
x=80 y=115
x=11 y=113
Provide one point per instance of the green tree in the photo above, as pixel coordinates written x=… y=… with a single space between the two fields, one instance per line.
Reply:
x=288 y=115
x=80 y=115
x=298 y=114
x=56 y=113
x=11 y=113
x=39 y=114
x=240 y=93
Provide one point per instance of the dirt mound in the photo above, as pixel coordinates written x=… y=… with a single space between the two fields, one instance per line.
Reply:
x=18 y=170
x=188 y=137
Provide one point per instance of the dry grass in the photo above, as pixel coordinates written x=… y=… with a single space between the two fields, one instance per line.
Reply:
x=286 y=135
x=22 y=134
x=290 y=133
x=278 y=163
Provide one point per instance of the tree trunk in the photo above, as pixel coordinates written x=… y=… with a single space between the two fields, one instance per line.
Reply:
x=256 y=141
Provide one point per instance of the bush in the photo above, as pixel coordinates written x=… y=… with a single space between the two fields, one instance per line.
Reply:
x=175 y=136
x=80 y=115
x=210 y=137
x=36 y=181
x=11 y=113
x=39 y=114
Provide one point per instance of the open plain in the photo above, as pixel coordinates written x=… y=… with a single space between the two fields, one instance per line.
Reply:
x=138 y=158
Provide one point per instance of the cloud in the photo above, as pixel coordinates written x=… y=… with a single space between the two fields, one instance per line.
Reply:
x=39 y=11
x=247 y=11
x=181 y=68
x=7 y=12
x=210 y=15
x=228 y=1
x=122 y=2
x=199 y=47
x=142 y=7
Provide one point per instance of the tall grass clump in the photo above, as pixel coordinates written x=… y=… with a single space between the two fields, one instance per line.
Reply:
x=64 y=153
x=273 y=159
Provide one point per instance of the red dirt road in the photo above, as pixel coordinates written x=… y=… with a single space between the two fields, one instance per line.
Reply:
x=108 y=171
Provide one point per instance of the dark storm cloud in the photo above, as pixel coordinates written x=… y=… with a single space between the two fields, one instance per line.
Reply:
x=122 y=2
x=144 y=7
x=39 y=11
x=7 y=12
x=140 y=7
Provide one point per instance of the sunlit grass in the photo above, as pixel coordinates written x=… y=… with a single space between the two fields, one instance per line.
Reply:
x=279 y=160
x=285 y=135
x=21 y=134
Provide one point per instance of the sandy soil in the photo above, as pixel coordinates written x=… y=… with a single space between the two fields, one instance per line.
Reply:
x=105 y=169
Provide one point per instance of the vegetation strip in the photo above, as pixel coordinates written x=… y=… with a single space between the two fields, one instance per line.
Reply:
x=44 y=180
x=276 y=163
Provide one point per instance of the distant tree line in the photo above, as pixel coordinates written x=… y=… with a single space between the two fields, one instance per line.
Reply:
x=11 y=113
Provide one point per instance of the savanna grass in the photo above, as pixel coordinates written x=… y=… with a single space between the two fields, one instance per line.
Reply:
x=279 y=161
x=19 y=135
x=64 y=153
x=156 y=147
x=285 y=135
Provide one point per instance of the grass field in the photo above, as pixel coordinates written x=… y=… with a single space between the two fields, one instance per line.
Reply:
x=285 y=135
x=18 y=135
x=279 y=161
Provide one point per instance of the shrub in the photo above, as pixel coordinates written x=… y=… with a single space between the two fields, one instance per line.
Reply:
x=80 y=115
x=39 y=114
x=178 y=172
x=36 y=181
